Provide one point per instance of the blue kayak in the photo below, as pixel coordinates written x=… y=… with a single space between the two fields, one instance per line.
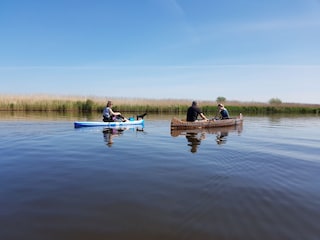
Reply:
x=108 y=124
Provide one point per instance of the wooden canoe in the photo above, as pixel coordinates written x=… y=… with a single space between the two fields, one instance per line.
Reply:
x=182 y=124
x=216 y=130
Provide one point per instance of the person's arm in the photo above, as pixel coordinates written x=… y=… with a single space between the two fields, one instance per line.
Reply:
x=203 y=116
x=114 y=113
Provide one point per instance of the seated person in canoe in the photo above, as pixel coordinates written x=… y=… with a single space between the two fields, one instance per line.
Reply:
x=110 y=116
x=193 y=112
x=224 y=114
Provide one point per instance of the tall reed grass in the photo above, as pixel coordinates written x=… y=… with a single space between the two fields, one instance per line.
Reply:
x=96 y=104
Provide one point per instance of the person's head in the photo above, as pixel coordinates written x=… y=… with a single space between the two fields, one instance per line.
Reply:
x=194 y=103
x=220 y=105
x=109 y=104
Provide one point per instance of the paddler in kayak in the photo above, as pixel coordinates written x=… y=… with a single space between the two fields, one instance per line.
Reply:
x=110 y=116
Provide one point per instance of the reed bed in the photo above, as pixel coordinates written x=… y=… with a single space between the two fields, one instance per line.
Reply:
x=87 y=104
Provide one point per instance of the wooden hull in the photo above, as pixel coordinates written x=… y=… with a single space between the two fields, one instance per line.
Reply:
x=215 y=130
x=181 y=124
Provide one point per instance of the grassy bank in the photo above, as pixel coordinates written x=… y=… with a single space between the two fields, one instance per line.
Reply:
x=95 y=104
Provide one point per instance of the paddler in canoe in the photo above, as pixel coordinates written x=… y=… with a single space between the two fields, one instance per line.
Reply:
x=194 y=111
x=224 y=114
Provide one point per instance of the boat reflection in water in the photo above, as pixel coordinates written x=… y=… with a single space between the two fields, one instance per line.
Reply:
x=195 y=136
x=110 y=133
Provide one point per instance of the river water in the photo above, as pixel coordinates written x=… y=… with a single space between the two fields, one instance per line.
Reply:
x=259 y=181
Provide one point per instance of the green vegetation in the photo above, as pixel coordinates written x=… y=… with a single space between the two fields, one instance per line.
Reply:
x=275 y=101
x=221 y=99
x=94 y=104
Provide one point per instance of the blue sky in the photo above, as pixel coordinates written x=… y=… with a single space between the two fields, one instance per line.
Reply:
x=242 y=50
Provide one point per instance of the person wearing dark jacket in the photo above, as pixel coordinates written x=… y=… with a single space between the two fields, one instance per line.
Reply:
x=193 y=112
x=223 y=111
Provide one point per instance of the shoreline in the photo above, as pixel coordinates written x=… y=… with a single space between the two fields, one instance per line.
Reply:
x=86 y=104
x=29 y=98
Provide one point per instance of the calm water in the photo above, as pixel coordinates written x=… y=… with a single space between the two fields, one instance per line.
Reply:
x=261 y=181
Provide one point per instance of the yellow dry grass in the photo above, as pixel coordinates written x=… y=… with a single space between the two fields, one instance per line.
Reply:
x=43 y=98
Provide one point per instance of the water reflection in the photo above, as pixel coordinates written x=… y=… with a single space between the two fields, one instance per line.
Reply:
x=221 y=136
x=110 y=133
x=195 y=136
x=194 y=140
